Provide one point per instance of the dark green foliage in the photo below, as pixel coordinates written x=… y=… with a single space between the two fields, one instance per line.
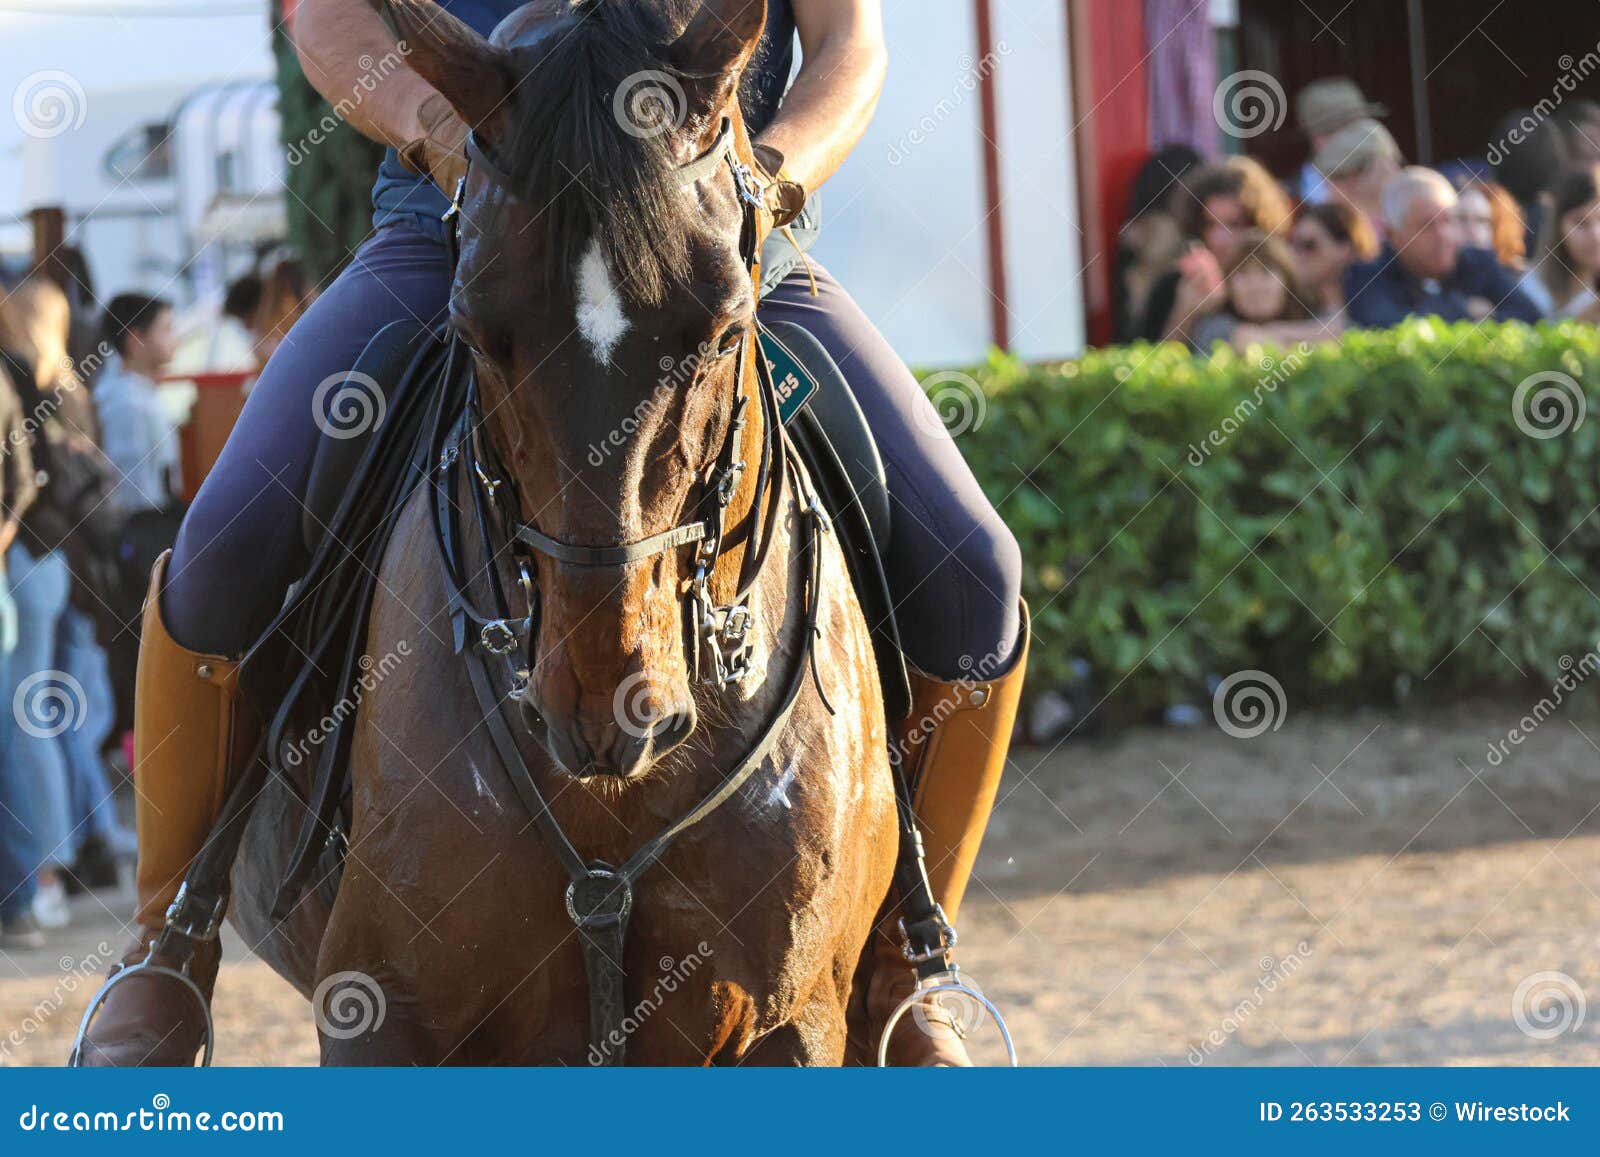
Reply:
x=329 y=181
x=1379 y=525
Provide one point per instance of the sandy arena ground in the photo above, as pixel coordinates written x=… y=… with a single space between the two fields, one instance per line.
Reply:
x=1359 y=889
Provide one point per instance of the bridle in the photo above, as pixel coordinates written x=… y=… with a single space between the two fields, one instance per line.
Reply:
x=498 y=647
x=719 y=636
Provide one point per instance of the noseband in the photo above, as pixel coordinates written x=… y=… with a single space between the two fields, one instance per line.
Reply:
x=599 y=896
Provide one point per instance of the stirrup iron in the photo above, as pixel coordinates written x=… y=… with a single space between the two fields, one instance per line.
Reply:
x=944 y=982
x=75 y=1058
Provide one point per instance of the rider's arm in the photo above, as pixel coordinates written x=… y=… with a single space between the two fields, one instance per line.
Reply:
x=836 y=90
x=331 y=37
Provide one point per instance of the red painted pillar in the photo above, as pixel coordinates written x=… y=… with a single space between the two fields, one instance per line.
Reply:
x=1111 y=129
x=993 y=207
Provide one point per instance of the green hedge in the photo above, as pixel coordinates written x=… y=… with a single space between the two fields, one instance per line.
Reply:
x=1380 y=525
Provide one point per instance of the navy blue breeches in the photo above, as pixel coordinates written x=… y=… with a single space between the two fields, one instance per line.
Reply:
x=954 y=568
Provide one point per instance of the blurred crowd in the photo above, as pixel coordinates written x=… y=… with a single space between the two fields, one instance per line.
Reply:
x=1218 y=250
x=90 y=494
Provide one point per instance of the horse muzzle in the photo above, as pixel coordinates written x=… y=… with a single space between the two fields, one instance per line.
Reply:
x=625 y=742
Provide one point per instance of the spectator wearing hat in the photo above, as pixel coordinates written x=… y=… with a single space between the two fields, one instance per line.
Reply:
x=1323 y=108
x=1425 y=270
x=1357 y=162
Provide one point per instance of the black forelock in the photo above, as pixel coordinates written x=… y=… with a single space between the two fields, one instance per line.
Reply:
x=575 y=160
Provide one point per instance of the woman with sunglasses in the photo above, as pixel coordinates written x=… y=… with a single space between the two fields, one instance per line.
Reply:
x=1327 y=239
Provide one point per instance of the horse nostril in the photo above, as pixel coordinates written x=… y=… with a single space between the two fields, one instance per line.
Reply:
x=673 y=731
x=639 y=748
x=569 y=750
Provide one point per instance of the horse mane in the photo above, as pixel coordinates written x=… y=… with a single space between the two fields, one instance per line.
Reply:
x=573 y=157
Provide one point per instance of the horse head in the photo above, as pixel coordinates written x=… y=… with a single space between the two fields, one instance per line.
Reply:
x=609 y=309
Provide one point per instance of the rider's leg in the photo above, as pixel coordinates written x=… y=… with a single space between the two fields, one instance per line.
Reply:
x=955 y=573
x=953 y=566
x=240 y=546
x=237 y=554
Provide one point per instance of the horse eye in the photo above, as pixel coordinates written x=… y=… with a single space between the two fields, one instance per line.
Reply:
x=732 y=341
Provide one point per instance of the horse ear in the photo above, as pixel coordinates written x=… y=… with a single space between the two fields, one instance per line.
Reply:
x=714 y=47
x=472 y=74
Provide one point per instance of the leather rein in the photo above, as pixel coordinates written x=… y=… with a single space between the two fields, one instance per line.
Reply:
x=499 y=648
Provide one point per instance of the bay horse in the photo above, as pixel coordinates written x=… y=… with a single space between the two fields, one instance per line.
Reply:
x=594 y=254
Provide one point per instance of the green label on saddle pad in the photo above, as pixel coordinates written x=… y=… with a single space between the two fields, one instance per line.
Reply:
x=792 y=381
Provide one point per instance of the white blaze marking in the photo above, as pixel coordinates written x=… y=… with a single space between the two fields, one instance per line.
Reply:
x=600 y=318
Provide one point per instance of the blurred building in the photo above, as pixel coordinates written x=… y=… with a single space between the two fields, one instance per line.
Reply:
x=171 y=189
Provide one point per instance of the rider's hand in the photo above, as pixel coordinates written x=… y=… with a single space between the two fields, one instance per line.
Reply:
x=440 y=153
x=785 y=197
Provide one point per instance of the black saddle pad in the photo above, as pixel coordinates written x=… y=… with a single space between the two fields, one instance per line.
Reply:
x=834 y=407
x=841 y=456
x=307 y=662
